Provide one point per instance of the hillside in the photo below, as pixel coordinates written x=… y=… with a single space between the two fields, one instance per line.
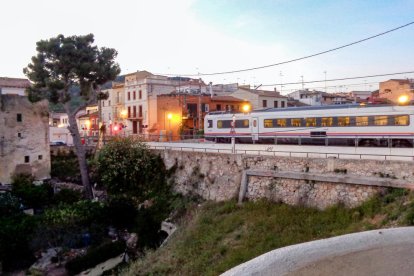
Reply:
x=215 y=237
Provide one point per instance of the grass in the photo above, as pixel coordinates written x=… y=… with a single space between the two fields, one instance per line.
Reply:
x=218 y=236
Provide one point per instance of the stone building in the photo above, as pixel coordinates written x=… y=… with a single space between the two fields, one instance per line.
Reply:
x=24 y=138
x=394 y=88
x=13 y=86
x=260 y=98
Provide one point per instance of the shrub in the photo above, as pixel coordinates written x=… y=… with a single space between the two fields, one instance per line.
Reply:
x=9 y=205
x=31 y=195
x=120 y=211
x=80 y=213
x=67 y=196
x=95 y=256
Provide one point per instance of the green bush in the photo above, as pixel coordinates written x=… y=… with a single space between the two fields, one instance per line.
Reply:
x=120 y=211
x=95 y=256
x=31 y=195
x=15 y=236
x=67 y=196
x=9 y=204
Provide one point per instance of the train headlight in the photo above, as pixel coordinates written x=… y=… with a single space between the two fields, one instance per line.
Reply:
x=403 y=99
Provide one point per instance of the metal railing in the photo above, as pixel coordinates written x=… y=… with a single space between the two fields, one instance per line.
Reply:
x=306 y=154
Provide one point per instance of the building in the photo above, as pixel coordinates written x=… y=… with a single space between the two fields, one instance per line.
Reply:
x=88 y=121
x=58 y=128
x=113 y=110
x=14 y=86
x=260 y=98
x=183 y=114
x=24 y=138
x=316 y=98
x=394 y=88
x=360 y=95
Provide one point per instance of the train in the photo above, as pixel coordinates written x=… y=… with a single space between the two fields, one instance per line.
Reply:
x=336 y=125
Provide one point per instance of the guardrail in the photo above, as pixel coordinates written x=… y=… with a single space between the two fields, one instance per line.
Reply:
x=360 y=156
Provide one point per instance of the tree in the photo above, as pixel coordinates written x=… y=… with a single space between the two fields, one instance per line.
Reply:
x=63 y=62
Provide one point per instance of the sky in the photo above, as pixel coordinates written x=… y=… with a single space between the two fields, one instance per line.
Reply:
x=180 y=37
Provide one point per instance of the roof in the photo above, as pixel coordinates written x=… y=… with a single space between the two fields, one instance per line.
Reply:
x=87 y=115
x=400 y=80
x=14 y=82
x=265 y=93
x=322 y=107
x=226 y=99
x=139 y=74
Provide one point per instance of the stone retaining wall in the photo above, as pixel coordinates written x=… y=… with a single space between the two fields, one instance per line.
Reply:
x=218 y=176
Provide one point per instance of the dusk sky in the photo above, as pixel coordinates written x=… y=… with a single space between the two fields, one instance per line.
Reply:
x=190 y=37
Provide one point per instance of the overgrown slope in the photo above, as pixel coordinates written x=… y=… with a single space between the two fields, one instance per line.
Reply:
x=218 y=236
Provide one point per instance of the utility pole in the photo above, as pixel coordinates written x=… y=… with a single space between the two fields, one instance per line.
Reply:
x=303 y=85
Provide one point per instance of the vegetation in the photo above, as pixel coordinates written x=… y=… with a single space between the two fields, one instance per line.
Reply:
x=63 y=62
x=94 y=256
x=219 y=236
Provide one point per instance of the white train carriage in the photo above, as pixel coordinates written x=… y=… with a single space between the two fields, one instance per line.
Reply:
x=324 y=125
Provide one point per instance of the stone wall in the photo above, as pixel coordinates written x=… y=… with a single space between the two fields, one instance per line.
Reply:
x=218 y=177
x=24 y=138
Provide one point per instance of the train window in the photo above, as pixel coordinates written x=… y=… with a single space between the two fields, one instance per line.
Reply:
x=224 y=123
x=380 y=120
x=296 y=122
x=361 y=121
x=281 y=122
x=210 y=123
x=242 y=123
x=401 y=120
x=344 y=121
x=268 y=123
x=219 y=124
x=327 y=121
x=310 y=122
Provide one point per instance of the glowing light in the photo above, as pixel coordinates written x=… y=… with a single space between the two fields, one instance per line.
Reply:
x=124 y=113
x=116 y=128
x=169 y=116
x=246 y=108
x=403 y=99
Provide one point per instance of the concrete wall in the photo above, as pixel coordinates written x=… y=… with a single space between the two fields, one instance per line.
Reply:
x=218 y=177
x=24 y=142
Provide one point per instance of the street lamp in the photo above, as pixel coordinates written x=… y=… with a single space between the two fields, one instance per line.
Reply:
x=403 y=99
x=246 y=108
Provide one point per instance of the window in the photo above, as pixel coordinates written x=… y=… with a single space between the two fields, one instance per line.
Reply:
x=401 y=120
x=381 y=120
x=264 y=103
x=224 y=123
x=283 y=103
x=19 y=135
x=310 y=122
x=268 y=123
x=209 y=123
x=19 y=117
x=361 y=121
x=227 y=107
x=281 y=122
x=134 y=113
x=140 y=111
x=296 y=122
x=129 y=112
x=242 y=123
x=26 y=159
x=218 y=107
x=327 y=121
x=103 y=103
x=276 y=104
x=117 y=97
x=206 y=108
x=140 y=94
x=134 y=95
x=40 y=157
x=109 y=103
x=344 y=121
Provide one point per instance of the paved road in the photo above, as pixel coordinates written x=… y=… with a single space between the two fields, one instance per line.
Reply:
x=377 y=252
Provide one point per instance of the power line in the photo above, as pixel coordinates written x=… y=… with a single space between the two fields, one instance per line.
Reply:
x=341 y=79
x=293 y=60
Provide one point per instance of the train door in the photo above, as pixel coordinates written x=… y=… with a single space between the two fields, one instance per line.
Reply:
x=255 y=129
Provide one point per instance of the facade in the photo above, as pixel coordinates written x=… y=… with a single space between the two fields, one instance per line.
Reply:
x=394 y=88
x=361 y=95
x=316 y=98
x=183 y=114
x=113 y=110
x=260 y=98
x=24 y=138
x=88 y=124
x=13 y=86
x=58 y=128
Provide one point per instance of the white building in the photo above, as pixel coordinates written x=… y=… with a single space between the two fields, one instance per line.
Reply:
x=58 y=128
